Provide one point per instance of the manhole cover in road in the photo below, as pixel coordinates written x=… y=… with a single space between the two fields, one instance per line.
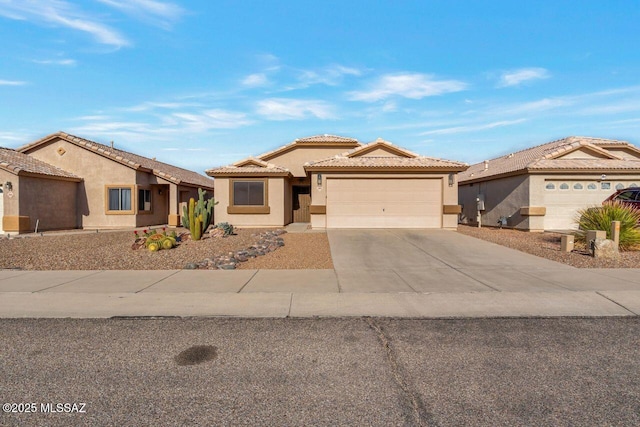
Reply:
x=196 y=355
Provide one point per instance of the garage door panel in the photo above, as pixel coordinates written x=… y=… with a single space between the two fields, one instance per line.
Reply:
x=384 y=203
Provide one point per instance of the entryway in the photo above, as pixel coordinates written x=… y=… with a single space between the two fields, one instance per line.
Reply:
x=301 y=202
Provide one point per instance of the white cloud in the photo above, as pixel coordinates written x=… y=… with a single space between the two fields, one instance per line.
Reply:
x=516 y=77
x=211 y=119
x=64 y=14
x=160 y=13
x=146 y=106
x=407 y=85
x=67 y=62
x=472 y=128
x=255 y=80
x=294 y=109
x=330 y=76
x=12 y=83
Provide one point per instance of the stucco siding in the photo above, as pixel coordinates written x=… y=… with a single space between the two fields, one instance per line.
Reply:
x=52 y=202
x=294 y=160
x=275 y=200
x=502 y=198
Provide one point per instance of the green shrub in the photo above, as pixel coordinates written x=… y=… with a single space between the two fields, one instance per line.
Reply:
x=600 y=218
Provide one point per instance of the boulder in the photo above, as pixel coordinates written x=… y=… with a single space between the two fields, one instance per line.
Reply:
x=604 y=248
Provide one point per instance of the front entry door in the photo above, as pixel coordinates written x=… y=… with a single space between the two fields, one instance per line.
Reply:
x=301 y=203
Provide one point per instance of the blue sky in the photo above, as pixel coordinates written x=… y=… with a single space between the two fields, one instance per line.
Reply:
x=205 y=83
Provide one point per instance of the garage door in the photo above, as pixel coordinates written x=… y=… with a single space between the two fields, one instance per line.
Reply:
x=384 y=203
x=564 y=199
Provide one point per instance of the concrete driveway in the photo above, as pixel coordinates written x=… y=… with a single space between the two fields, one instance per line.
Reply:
x=446 y=261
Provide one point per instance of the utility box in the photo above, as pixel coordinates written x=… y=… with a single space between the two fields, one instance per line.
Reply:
x=480 y=202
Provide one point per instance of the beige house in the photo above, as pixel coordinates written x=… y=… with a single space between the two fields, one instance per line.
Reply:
x=62 y=181
x=543 y=187
x=337 y=182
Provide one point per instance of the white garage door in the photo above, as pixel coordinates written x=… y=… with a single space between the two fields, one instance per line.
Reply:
x=384 y=203
x=564 y=199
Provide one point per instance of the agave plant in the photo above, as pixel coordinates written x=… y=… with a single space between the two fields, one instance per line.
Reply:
x=601 y=217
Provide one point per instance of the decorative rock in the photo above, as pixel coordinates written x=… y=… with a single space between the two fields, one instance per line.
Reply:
x=191 y=266
x=605 y=248
x=230 y=266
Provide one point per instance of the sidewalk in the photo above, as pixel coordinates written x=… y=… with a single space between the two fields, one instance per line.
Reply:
x=419 y=293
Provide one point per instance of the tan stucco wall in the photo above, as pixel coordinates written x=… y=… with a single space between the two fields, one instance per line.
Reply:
x=51 y=201
x=319 y=196
x=503 y=197
x=624 y=153
x=276 y=201
x=294 y=160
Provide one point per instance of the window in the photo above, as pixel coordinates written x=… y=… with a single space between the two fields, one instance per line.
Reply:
x=577 y=186
x=619 y=186
x=592 y=186
x=626 y=196
x=550 y=186
x=605 y=186
x=144 y=200
x=119 y=199
x=634 y=185
x=248 y=196
x=248 y=193
x=564 y=186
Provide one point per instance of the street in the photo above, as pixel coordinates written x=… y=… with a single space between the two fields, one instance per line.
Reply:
x=358 y=371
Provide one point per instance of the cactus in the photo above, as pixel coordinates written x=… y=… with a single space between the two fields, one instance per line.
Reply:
x=199 y=215
x=154 y=246
x=168 y=243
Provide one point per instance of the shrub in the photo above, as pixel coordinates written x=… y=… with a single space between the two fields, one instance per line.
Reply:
x=600 y=218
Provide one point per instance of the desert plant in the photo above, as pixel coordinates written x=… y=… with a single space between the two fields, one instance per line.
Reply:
x=226 y=228
x=199 y=215
x=600 y=218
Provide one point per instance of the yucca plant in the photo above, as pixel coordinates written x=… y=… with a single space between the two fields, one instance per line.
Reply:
x=600 y=218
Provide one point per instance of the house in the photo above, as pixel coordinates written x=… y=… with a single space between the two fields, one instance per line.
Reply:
x=337 y=182
x=543 y=187
x=62 y=181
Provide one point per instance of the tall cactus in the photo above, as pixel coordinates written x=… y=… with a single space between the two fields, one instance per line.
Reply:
x=199 y=215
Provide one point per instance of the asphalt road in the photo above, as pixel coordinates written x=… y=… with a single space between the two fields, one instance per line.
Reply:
x=380 y=372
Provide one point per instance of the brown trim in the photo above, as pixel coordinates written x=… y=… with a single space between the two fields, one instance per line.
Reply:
x=249 y=209
x=451 y=209
x=249 y=175
x=593 y=148
x=317 y=209
x=45 y=176
x=533 y=211
x=15 y=223
x=134 y=199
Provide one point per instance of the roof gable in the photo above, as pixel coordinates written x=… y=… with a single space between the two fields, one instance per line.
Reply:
x=19 y=163
x=318 y=141
x=560 y=155
x=586 y=151
x=166 y=171
x=380 y=148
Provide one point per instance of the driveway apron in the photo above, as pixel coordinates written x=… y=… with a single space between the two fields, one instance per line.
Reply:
x=425 y=261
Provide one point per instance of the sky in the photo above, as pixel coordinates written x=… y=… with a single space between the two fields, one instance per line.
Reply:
x=205 y=83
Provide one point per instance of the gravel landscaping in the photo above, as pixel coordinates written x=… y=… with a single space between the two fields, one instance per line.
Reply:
x=547 y=245
x=112 y=250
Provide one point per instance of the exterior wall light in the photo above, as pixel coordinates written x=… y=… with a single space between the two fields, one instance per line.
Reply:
x=319 y=180
x=8 y=185
x=451 y=179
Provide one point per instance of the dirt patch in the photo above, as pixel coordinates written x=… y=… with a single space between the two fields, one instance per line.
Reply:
x=112 y=251
x=547 y=245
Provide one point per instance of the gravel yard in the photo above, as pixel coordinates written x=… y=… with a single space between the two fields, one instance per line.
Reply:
x=111 y=250
x=547 y=245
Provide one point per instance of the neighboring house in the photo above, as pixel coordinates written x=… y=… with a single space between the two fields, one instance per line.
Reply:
x=76 y=183
x=543 y=187
x=337 y=182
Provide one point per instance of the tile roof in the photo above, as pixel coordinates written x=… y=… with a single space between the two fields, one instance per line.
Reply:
x=374 y=162
x=16 y=162
x=544 y=157
x=163 y=170
x=268 y=169
x=327 y=139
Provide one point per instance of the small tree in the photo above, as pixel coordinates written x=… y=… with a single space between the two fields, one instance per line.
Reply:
x=601 y=217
